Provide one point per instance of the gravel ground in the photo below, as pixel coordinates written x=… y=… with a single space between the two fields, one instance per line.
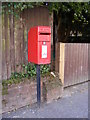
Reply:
x=73 y=104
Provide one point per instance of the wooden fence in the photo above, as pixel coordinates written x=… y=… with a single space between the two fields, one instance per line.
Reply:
x=72 y=63
x=15 y=36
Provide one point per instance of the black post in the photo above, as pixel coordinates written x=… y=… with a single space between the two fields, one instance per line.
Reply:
x=38 y=85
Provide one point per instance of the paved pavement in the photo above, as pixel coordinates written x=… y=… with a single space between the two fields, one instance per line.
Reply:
x=73 y=104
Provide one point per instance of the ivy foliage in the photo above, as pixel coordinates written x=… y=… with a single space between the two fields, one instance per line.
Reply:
x=20 y=6
x=28 y=72
x=79 y=10
x=16 y=8
x=73 y=14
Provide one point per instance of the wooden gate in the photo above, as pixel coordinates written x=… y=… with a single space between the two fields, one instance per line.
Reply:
x=72 y=63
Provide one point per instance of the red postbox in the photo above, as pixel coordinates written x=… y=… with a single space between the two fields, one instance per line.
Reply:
x=39 y=45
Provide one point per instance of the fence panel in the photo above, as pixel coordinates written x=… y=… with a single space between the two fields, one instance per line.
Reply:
x=75 y=63
x=71 y=62
x=15 y=37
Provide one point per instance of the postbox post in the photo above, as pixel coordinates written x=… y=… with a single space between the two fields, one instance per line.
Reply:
x=39 y=51
x=38 y=84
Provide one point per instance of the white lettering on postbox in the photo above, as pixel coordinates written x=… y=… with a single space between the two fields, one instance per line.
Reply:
x=44 y=51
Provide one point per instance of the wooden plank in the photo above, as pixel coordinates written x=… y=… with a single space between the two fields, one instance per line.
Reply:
x=8 y=53
x=6 y=40
x=86 y=62
x=12 y=42
x=57 y=57
x=82 y=62
x=3 y=41
x=18 y=47
x=79 y=62
x=51 y=24
x=67 y=65
x=22 y=39
x=61 y=66
x=4 y=68
x=73 y=61
x=7 y=45
x=70 y=63
x=84 y=59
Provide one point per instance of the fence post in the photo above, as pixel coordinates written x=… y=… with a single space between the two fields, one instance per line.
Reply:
x=62 y=62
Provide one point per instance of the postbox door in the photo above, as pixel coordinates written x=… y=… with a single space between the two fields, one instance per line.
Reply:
x=44 y=49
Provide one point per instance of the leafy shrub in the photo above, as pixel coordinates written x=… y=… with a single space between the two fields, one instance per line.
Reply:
x=29 y=70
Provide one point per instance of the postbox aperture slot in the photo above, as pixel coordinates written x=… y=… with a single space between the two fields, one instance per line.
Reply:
x=44 y=33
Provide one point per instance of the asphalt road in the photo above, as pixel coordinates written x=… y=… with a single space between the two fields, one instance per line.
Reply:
x=73 y=104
